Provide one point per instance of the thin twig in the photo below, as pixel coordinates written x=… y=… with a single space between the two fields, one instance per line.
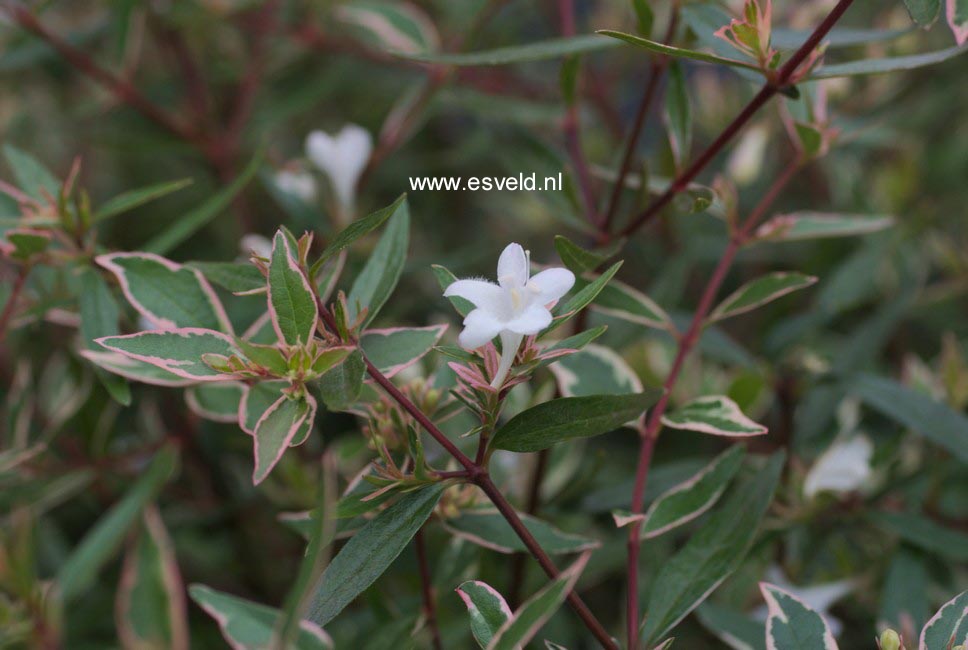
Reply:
x=769 y=89
x=427 y=589
x=656 y=70
x=8 y=309
x=686 y=344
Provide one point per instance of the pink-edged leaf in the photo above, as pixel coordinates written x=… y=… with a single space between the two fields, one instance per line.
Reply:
x=218 y=402
x=948 y=627
x=716 y=415
x=179 y=351
x=487 y=608
x=956 y=12
x=261 y=331
x=256 y=400
x=168 y=294
x=291 y=302
x=25 y=242
x=276 y=429
x=534 y=612
x=392 y=350
x=623 y=518
x=149 y=575
x=792 y=625
x=133 y=369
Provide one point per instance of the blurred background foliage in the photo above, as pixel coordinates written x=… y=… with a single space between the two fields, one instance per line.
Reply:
x=249 y=83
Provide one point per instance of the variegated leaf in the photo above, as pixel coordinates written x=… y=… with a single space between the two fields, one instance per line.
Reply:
x=179 y=351
x=392 y=350
x=218 y=402
x=758 y=292
x=714 y=414
x=487 y=608
x=948 y=627
x=276 y=429
x=791 y=625
x=291 y=302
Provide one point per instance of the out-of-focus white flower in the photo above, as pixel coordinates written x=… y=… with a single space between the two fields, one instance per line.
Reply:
x=844 y=467
x=517 y=306
x=342 y=157
x=257 y=245
x=746 y=161
x=817 y=597
x=299 y=184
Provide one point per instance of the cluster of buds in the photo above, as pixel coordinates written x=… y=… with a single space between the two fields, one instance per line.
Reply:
x=751 y=35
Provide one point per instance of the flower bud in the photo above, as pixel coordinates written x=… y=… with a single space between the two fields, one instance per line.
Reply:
x=890 y=640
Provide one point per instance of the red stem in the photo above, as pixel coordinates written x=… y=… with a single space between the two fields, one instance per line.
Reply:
x=427 y=589
x=18 y=286
x=686 y=344
x=659 y=65
x=770 y=88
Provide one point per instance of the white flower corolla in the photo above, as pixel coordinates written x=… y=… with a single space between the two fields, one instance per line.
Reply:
x=299 y=184
x=844 y=467
x=342 y=157
x=252 y=244
x=819 y=598
x=517 y=306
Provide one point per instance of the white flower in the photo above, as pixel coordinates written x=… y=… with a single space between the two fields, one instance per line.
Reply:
x=517 y=306
x=299 y=184
x=844 y=467
x=257 y=245
x=819 y=598
x=341 y=157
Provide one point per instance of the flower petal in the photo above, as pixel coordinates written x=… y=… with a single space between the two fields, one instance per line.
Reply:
x=484 y=294
x=342 y=157
x=512 y=267
x=479 y=328
x=531 y=321
x=553 y=284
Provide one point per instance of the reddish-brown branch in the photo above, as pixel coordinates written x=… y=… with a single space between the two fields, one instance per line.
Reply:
x=8 y=309
x=769 y=89
x=123 y=90
x=686 y=345
x=427 y=589
x=656 y=70
x=531 y=507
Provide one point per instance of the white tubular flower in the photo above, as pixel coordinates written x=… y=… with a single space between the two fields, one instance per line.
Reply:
x=342 y=158
x=517 y=306
x=299 y=184
x=844 y=467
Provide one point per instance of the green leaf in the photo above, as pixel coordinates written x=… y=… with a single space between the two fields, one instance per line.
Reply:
x=534 y=612
x=390 y=26
x=714 y=414
x=948 y=626
x=679 y=114
x=292 y=305
x=800 y=226
x=712 y=554
x=445 y=278
x=102 y=541
x=487 y=608
x=392 y=350
x=925 y=534
x=26 y=242
x=587 y=291
x=150 y=604
x=370 y=552
x=622 y=301
x=758 y=292
x=276 y=429
x=535 y=51
x=33 y=178
x=903 y=599
x=167 y=294
x=99 y=313
x=134 y=198
x=256 y=400
x=236 y=277
x=732 y=627
x=547 y=424
x=248 y=626
x=956 y=11
x=934 y=420
x=887 y=64
x=187 y=225
x=689 y=499
x=644 y=17
x=133 y=369
x=373 y=286
x=218 y=402
x=355 y=230
x=575 y=342
x=792 y=625
x=595 y=370
x=340 y=387
x=577 y=258
x=181 y=352
x=677 y=52
x=487 y=527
